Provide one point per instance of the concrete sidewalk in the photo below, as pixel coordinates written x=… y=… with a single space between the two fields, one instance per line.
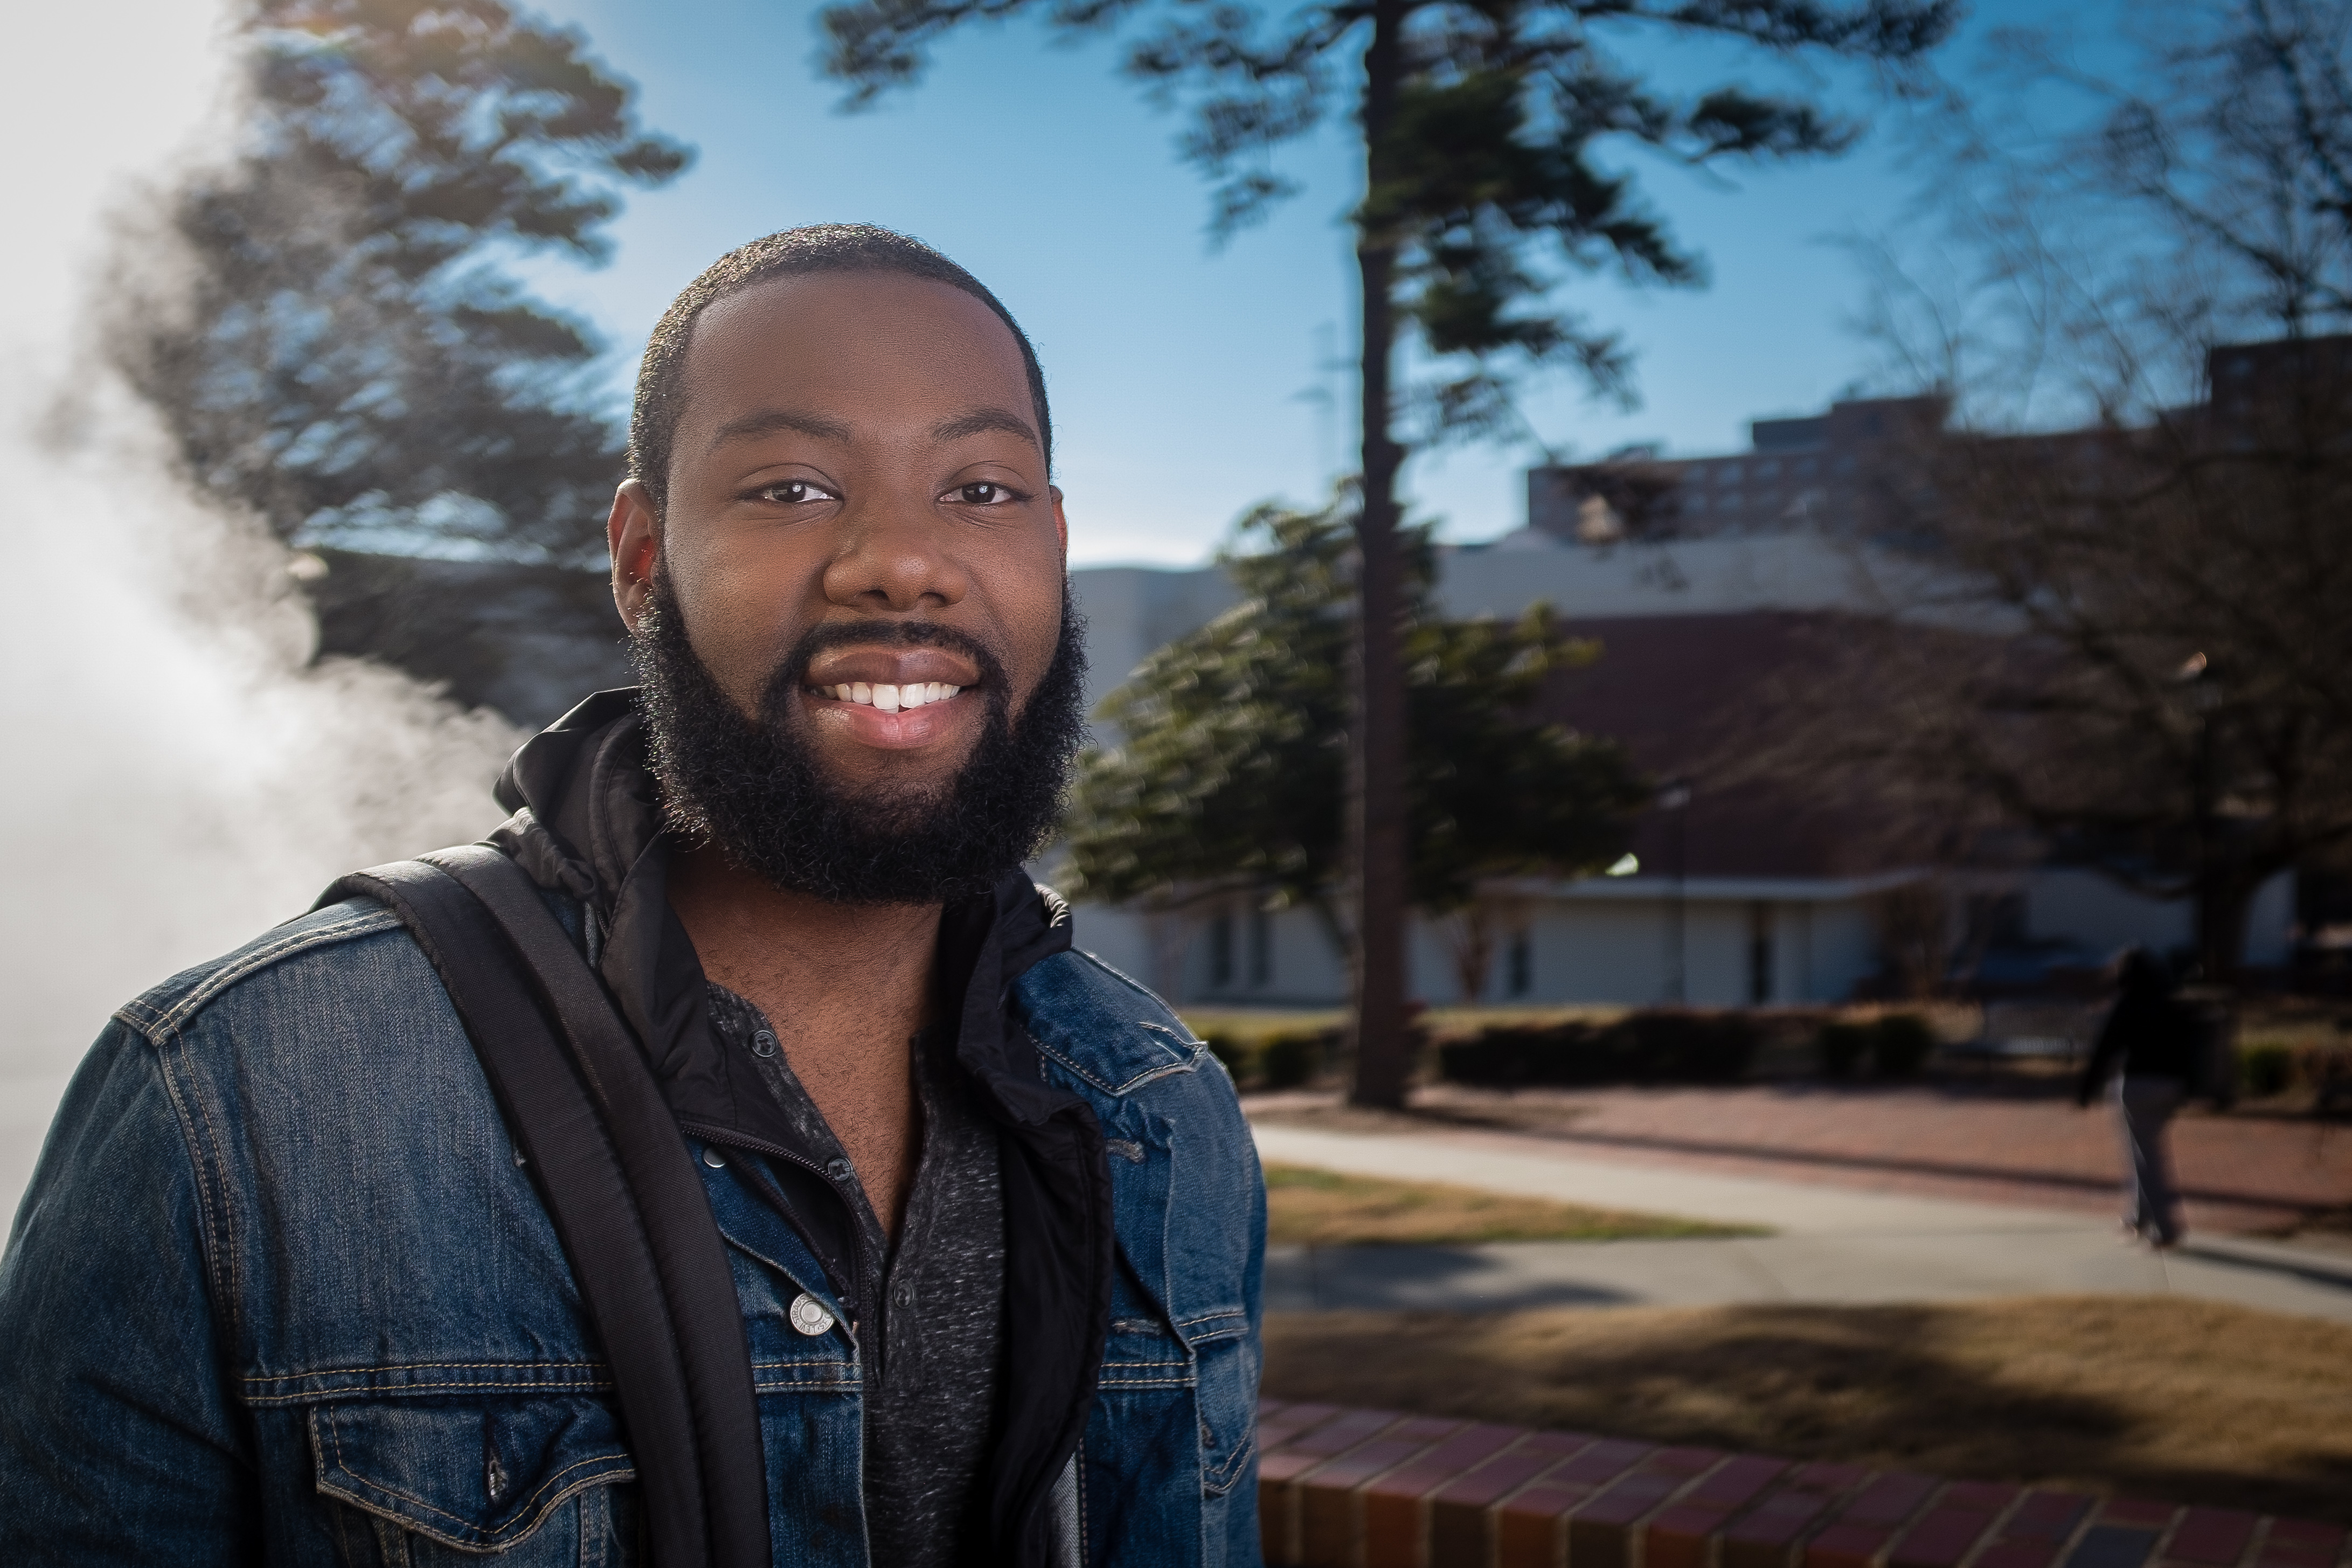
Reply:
x=1831 y=1245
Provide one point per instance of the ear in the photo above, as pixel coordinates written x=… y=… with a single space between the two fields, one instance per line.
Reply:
x=1061 y=524
x=633 y=531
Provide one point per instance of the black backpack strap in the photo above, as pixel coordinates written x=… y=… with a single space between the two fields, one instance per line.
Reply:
x=619 y=1183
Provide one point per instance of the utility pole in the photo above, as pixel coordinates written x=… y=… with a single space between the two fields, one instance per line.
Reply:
x=2202 y=684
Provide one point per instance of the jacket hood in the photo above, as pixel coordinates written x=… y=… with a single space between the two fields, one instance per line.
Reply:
x=587 y=826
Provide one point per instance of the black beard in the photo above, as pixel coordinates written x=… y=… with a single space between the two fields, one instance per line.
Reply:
x=753 y=790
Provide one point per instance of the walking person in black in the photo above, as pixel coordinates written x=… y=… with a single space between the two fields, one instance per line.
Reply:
x=2149 y=1047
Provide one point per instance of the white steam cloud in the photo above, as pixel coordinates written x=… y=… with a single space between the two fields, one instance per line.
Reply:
x=179 y=774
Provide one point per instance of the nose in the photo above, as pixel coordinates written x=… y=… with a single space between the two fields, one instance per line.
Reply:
x=895 y=558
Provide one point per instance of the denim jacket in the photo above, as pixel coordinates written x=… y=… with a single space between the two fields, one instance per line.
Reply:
x=281 y=1292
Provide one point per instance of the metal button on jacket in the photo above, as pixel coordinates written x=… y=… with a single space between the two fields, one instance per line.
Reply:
x=713 y=1158
x=808 y=1316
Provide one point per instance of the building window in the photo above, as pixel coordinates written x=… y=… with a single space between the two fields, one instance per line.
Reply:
x=1519 y=963
x=1727 y=475
x=1759 y=953
x=1261 y=946
x=1221 y=950
x=1767 y=467
x=1803 y=465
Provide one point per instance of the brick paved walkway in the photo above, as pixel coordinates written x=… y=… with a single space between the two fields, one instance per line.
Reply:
x=1987 y=1141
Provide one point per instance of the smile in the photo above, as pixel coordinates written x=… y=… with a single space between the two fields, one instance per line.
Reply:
x=889 y=699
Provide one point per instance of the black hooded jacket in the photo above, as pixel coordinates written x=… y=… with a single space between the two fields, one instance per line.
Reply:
x=587 y=829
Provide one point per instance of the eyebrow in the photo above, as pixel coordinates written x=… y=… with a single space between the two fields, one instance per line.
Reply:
x=979 y=421
x=768 y=421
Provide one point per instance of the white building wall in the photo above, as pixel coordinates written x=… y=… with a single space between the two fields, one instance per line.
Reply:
x=1120 y=938
x=1132 y=610
x=1610 y=951
x=2270 y=923
x=1844 y=949
x=2100 y=914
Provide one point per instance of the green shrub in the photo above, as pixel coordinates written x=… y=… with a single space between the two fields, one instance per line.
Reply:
x=1505 y=1056
x=1642 y=1047
x=1235 y=1052
x=2266 y=1069
x=1900 y=1044
x=1841 y=1047
x=1292 y=1057
x=1676 y=1046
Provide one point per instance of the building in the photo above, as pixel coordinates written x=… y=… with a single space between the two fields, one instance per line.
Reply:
x=1739 y=898
x=1848 y=473
x=1708 y=581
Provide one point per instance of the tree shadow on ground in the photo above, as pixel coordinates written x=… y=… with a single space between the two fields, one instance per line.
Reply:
x=2190 y=1402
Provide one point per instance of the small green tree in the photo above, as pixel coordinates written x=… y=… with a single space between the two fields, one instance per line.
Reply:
x=1231 y=770
x=1483 y=125
x=333 y=343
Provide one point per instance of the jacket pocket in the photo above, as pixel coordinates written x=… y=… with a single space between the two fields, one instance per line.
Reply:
x=527 y=1479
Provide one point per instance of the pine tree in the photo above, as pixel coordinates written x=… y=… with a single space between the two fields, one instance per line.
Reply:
x=1480 y=126
x=330 y=335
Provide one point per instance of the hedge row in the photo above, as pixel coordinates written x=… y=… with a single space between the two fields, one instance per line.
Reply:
x=1667 y=1046
x=1287 y=1059
x=1673 y=1046
x=1641 y=1048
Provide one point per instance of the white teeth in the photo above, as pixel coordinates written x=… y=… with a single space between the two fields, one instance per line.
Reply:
x=891 y=699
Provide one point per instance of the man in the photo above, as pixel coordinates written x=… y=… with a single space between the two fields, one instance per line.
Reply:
x=283 y=1289
x=2151 y=1046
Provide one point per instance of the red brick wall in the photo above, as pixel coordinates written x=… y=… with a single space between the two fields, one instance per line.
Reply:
x=1371 y=1489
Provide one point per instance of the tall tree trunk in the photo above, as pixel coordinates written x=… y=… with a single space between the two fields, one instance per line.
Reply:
x=1376 y=797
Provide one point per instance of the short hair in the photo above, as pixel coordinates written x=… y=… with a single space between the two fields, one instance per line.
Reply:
x=794 y=252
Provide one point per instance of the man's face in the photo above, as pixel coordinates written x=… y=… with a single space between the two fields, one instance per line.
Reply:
x=856 y=450
x=853 y=601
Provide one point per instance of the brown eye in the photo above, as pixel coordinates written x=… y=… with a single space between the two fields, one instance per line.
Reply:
x=792 y=492
x=983 y=492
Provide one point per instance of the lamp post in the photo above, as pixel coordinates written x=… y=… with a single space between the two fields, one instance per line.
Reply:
x=1674 y=797
x=2202 y=685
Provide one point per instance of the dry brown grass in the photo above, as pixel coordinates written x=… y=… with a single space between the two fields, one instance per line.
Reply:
x=1323 y=1208
x=2154 y=1396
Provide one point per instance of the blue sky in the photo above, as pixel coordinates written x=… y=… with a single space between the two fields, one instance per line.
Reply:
x=1187 y=382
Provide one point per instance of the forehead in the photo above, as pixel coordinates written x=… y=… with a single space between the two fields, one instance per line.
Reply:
x=874 y=339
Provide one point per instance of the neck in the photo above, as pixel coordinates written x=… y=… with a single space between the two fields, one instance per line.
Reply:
x=746 y=927
x=845 y=986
